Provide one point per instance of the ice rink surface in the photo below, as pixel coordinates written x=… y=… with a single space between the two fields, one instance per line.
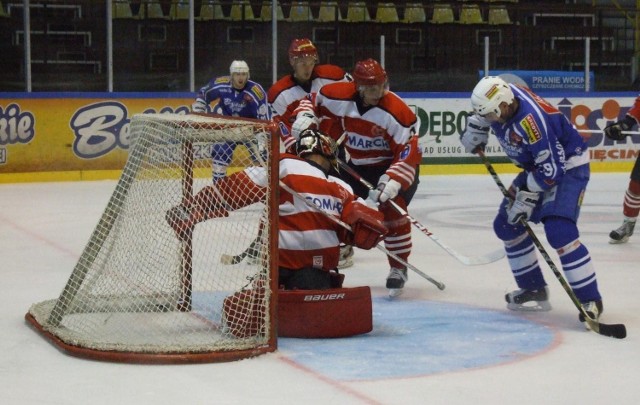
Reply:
x=456 y=346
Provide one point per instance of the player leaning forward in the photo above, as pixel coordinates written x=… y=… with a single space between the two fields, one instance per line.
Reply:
x=383 y=148
x=539 y=139
x=308 y=241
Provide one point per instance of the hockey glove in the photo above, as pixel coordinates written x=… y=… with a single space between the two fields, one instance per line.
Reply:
x=304 y=120
x=199 y=106
x=476 y=135
x=387 y=189
x=206 y=205
x=522 y=207
x=303 y=105
x=367 y=226
x=614 y=131
x=179 y=218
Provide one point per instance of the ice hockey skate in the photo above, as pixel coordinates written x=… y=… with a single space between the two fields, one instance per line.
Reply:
x=622 y=234
x=396 y=280
x=593 y=309
x=528 y=300
x=346 y=256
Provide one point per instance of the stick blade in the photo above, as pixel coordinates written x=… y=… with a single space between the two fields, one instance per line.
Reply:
x=618 y=331
x=484 y=259
x=230 y=259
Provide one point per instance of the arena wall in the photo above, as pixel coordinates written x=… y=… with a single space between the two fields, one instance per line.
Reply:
x=84 y=136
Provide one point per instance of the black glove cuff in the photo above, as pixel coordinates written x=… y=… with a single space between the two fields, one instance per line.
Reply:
x=627 y=122
x=478 y=127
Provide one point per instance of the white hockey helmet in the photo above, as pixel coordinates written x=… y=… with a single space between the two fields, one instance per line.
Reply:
x=489 y=93
x=239 y=66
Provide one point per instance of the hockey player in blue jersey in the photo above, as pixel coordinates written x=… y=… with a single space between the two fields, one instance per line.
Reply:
x=235 y=96
x=555 y=171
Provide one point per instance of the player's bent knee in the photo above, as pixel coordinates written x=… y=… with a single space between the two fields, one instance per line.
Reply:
x=560 y=231
x=504 y=230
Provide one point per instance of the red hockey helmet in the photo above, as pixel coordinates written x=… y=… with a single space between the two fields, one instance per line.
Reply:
x=301 y=47
x=369 y=73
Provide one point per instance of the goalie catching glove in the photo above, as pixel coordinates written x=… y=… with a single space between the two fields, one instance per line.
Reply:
x=387 y=189
x=476 y=135
x=522 y=206
x=206 y=205
x=367 y=226
x=614 y=131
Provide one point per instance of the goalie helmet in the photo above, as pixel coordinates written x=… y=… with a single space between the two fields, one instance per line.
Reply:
x=301 y=47
x=312 y=141
x=489 y=93
x=239 y=66
x=369 y=73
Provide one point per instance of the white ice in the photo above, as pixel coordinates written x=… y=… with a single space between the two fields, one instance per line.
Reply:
x=44 y=227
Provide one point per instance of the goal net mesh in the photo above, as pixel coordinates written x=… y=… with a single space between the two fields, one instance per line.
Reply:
x=138 y=290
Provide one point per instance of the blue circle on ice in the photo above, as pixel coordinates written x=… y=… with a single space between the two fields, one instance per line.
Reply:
x=417 y=338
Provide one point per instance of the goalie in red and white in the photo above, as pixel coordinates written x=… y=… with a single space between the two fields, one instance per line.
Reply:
x=308 y=240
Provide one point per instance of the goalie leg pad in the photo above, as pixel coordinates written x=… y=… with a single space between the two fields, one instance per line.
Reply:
x=332 y=313
x=242 y=315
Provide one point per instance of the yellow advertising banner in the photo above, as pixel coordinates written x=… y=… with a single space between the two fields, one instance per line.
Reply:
x=72 y=134
x=69 y=137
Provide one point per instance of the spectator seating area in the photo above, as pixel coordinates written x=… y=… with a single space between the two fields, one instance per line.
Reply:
x=421 y=38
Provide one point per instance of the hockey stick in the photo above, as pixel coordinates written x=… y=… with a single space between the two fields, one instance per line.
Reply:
x=230 y=259
x=343 y=224
x=600 y=131
x=618 y=331
x=227 y=258
x=466 y=260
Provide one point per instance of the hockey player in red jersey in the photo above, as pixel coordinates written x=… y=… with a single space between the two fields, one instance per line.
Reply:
x=295 y=92
x=631 y=202
x=308 y=240
x=303 y=83
x=382 y=144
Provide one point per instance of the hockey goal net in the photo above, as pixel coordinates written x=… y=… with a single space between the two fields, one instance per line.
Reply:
x=138 y=293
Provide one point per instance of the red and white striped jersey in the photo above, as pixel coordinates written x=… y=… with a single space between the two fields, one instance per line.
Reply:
x=285 y=95
x=634 y=111
x=380 y=135
x=307 y=238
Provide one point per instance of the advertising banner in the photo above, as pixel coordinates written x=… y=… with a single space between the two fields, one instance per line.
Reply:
x=61 y=134
x=545 y=80
x=443 y=119
x=57 y=133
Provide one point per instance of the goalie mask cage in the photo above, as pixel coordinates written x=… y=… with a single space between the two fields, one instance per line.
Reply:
x=138 y=293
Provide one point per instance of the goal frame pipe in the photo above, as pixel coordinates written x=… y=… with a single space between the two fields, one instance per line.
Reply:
x=184 y=304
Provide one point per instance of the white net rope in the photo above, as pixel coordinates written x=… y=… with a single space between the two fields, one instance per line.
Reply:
x=137 y=287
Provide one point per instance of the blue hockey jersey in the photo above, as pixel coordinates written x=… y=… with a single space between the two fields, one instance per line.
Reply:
x=541 y=140
x=250 y=102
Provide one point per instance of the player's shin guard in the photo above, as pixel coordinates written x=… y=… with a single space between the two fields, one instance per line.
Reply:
x=523 y=260
x=579 y=271
x=631 y=204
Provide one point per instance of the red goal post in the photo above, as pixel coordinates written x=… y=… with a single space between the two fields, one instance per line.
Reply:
x=138 y=293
